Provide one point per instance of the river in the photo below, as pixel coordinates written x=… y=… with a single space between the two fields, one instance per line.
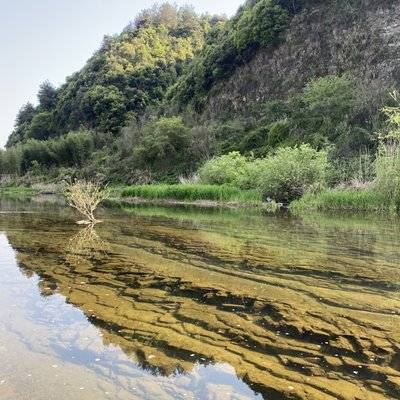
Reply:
x=186 y=303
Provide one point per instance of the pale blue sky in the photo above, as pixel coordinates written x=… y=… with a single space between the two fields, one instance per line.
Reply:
x=51 y=39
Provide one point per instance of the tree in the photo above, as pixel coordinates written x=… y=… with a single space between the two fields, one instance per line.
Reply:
x=22 y=124
x=165 y=138
x=47 y=96
x=25 y=114
x=105 y=108
x=41 y=127
x=165 y=14
x=168 y=15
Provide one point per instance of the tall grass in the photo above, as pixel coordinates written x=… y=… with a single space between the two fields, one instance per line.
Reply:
x=387 y=167
x=17 y=191
x=192 y=192
x=342 y=200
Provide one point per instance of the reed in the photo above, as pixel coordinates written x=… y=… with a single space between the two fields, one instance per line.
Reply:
x=342 y=200
x=192 y=192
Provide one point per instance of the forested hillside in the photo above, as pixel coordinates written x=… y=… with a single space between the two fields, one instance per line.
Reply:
x=129 y=73
x=175 y=89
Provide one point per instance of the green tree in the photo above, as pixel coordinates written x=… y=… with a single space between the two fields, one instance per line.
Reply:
x=47 y=96
x=165 y=138
x=106 y=106
x=41 y=127
x=25 y=114
x=22 y=124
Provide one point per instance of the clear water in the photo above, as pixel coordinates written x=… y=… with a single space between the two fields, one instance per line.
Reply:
x=178 y=303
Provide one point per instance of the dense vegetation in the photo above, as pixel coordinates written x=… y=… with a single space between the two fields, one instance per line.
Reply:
x=133 y=115
x=257 y=24
x=381 y=193
x=283 y=176
x=129 y=73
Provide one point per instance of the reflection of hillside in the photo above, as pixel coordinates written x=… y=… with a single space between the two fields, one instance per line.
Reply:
x=171 y=297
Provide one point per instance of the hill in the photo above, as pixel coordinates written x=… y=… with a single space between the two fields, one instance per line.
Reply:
x=174 y=89
x=129 y=73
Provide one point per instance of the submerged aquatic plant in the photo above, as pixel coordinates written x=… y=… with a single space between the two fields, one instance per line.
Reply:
x=85 y=197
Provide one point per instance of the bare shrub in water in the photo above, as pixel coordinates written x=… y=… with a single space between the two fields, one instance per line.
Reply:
x=85 y=197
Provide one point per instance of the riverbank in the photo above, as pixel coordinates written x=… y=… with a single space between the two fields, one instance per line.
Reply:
x=17 y=191
x=222 y=196
x=365 y=200
x=341 y=200
x=266 y=206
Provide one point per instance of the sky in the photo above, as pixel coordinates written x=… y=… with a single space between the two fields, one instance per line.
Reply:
x=50 y=39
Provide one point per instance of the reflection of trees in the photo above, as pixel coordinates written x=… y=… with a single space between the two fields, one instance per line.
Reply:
x=172 y=298
x=86 y=244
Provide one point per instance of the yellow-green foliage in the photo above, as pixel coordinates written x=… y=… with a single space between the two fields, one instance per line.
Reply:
x=283 y=176
x=226 y=169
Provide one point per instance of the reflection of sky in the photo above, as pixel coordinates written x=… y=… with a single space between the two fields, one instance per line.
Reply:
x=46 y=325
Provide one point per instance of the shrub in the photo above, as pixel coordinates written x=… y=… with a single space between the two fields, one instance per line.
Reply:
x=387 y=163
x=10 y=161
x=387 y=166
x=284 y=176
x=85 y=197
x=347 y=171
x=72 y=149
x=226 y=169
x=341 y=200
x=291 y=172
x=252 y=172
x=333 y=95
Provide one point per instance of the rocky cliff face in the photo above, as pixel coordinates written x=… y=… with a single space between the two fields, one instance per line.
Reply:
x=360 y=37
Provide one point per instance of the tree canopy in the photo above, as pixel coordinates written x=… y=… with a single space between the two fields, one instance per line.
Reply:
x=130 y=72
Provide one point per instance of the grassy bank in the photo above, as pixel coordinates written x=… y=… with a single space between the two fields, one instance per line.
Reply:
x=365 y=200
x=218 y=193
x=329 y=200
x=17 y=191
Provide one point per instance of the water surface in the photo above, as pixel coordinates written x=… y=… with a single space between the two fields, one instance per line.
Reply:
x=178 y=303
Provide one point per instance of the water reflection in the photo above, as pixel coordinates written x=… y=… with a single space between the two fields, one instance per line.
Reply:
x=212 y=308
x=81 y=350
x=86 y=244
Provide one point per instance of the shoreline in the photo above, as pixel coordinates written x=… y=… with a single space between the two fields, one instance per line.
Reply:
x=194 y=203
x=330 y=201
